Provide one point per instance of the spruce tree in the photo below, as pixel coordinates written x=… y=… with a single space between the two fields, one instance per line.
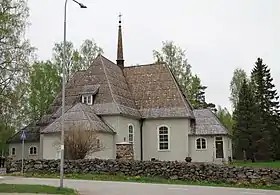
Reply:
x=267 y=100
x=246 y=131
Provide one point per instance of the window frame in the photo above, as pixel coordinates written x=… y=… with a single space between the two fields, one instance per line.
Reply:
x=196 y=145
x=58 y=154
x=12 y=151
x=133 y=134
x=158 y=139
x=29 y=151
x=86 y=98
x=98 y=143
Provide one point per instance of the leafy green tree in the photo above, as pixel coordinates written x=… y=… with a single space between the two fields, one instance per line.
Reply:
x=247 y=130
x=15 y=51
x=6 y=131
x=268 y=101
x=71 y=60
x=225 y=117
x=45 y=83
x=76 y=59
x=175 y=58
x=235 y=85
x=15 y=56
x=88 y=52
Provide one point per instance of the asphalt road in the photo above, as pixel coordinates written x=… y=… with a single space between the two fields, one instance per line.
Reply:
x=123 y=188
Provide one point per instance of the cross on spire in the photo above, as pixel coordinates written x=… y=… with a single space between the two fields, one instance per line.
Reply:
x=120 y=18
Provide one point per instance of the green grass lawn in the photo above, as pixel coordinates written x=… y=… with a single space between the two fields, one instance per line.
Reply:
x=158 y=180
x=275 y=164
x=19 y=188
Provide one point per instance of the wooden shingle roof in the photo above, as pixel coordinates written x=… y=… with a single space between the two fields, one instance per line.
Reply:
x=79 y=115
x=207 y=123
x=114 y=96
x=105 y=80
x=148 y=91
x=156 y=92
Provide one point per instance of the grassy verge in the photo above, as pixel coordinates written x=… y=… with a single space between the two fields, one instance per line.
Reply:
x=20 y=188
x=157 y=180
x=275 y=164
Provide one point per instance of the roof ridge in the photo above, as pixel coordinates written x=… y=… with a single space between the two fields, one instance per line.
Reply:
x=86 y=112
x=196 y=109
x=83 y=106
x=179 y=90
x=109 y=84
x=59 y=117
x=218 y=119
x=206 y=113
x=107 y=59
x=141 y=65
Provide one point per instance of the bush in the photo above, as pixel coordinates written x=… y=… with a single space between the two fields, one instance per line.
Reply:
x=80 y=142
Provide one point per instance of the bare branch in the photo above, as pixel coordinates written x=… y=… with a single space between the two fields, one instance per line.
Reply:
x=80 y=142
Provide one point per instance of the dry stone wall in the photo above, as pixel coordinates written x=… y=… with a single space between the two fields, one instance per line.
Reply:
x=164 y=169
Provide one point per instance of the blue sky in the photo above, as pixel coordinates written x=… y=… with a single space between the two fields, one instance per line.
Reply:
x=218 y=35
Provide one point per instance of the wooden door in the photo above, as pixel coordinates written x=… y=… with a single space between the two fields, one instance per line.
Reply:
x=219 y=148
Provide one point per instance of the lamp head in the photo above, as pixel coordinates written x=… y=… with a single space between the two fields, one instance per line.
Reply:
x=82 y=5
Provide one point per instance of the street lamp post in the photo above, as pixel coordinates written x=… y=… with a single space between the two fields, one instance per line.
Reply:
x=63 y=92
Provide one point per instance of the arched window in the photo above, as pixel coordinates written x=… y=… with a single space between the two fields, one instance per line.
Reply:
x=33 y=150
x=130 y=134
x=201 y=144
x=163 y=138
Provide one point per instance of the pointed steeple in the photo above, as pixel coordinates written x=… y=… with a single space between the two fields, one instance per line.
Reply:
x=120 y=60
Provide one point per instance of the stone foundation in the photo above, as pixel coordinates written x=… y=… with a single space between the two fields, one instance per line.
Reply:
x=124 y=151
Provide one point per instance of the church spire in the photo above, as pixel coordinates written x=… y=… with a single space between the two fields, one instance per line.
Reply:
x=120 y=60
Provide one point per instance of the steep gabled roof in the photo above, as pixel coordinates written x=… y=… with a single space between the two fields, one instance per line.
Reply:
x=148 y=91
x=114 y=96
x=207 y=123
x=156 y=92
x=80 y=114
x=105 y=80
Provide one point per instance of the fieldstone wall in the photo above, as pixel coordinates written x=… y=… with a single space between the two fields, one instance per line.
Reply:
x=124 y=151
x=164 y=169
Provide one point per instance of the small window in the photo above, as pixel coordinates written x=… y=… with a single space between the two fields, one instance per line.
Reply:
x=13 y=151
x=33 y=150
x=130 y=134
x=87 y=99
x=201 y=144
x=98 y=144
x=58 y=154
x=219 y=139
x=163 y=137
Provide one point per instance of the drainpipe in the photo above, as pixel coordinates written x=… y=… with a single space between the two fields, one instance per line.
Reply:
x=141 y=137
